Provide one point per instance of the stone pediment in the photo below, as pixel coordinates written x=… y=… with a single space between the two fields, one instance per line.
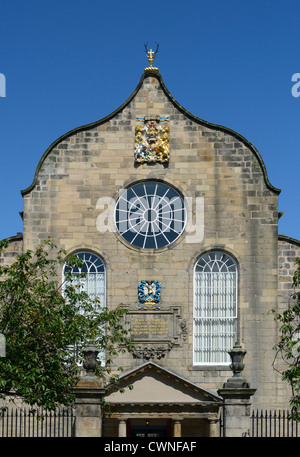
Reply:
x=153 y=384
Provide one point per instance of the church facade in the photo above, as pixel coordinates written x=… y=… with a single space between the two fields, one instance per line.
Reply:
x=175 y=219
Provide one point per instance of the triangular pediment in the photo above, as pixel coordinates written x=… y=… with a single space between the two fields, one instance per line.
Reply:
x=150 y=383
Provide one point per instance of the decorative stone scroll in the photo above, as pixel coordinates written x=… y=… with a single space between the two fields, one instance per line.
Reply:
x=152 y=352
x=152 y=140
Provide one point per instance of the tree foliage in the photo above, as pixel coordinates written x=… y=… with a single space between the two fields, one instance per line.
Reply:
x=44 y=319
x=288 y=346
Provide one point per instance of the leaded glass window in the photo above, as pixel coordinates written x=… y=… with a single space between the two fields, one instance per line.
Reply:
x=215 y=308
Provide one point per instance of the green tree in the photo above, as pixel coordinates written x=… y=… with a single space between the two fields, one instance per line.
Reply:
x=288 y=346
x=43 y=320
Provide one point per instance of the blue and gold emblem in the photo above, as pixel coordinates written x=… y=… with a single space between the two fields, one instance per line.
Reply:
x=149 y=294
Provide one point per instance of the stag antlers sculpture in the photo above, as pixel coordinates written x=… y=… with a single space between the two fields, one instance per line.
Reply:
x=151 y=55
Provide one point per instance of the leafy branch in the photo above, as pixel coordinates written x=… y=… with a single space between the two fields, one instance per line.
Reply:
x=288 y=346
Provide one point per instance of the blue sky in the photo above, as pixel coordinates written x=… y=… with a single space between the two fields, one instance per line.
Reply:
x=69 y=63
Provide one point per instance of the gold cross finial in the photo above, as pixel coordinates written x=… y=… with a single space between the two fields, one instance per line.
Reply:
x=150 y=56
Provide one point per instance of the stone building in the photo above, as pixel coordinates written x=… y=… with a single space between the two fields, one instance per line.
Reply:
x=176 y=219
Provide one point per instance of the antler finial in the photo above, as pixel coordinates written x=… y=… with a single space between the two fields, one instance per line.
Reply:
x=151 y=55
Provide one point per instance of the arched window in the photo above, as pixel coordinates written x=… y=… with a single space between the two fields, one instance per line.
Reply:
x=93 y=282
x=215 y=308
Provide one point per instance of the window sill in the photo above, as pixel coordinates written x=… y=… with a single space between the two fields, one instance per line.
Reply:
x=209 y=368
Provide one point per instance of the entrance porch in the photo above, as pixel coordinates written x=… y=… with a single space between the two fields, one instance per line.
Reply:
x=158 y=403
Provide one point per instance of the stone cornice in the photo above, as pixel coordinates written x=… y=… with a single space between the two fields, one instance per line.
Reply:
x=17 y=237
x=288 y=240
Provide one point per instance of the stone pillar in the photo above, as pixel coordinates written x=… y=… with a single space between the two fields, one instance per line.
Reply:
x=2 y=345
x=236 y=394
x=122 y=428
x=213 y=427
x=89 y=393
x=177 y=428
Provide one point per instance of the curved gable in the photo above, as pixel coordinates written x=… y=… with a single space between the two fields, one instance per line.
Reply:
x=187 y=114
x=13 y=250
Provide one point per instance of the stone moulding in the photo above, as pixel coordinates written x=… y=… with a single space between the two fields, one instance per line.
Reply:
x=289 y=240
x=17 y=237
x=158 y=351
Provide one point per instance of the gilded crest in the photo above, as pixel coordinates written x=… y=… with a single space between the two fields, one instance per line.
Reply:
x=152 y=141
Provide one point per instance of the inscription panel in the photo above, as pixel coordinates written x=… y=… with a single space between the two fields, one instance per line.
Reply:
x=149 y=326
x=154 y=325
x=155 y=332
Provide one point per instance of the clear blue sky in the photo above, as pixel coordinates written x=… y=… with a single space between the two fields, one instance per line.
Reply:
x=69 y=63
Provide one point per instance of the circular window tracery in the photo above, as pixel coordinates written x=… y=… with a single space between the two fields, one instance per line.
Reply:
x=150 y=215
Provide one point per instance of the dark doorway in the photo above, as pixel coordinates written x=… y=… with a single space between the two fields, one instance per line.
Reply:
x=153 y=428
x=149 y=431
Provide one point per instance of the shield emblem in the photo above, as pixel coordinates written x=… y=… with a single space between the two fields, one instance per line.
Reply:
x=149 y=294
x=152 y=142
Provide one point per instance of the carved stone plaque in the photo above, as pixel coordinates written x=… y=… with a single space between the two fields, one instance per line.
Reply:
x=149 y=326
x=155 y=333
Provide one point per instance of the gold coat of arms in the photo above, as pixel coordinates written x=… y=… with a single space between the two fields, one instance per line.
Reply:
x=152 y=141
